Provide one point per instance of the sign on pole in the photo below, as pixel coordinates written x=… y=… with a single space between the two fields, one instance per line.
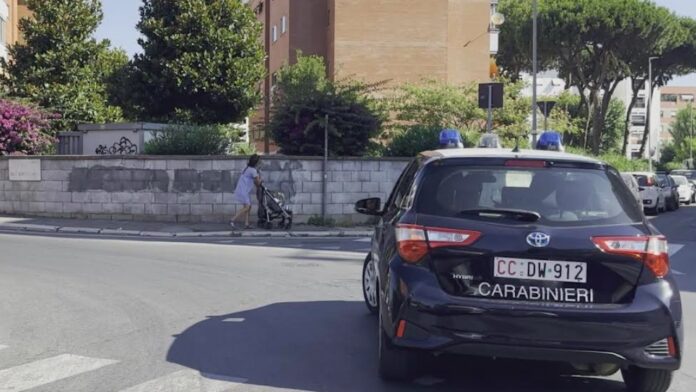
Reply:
x=490 y=97
x=546 y=107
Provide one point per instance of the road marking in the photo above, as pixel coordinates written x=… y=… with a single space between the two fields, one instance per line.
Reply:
x=233 y=320
x=674 y=248
x=188 y=381
x=364 y=240
x=46 y=371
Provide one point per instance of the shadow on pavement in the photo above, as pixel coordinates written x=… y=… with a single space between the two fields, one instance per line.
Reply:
x=332 y=346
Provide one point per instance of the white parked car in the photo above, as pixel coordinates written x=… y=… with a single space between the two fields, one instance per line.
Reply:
x=632 y=185
x=650 y=192
x=685 y=188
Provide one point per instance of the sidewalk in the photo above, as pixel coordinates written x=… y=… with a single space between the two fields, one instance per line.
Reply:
x=162 y=229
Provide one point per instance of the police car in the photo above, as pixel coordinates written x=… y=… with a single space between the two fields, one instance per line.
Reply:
x=526 y=254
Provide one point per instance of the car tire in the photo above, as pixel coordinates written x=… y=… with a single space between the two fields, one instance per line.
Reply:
x=395 y=364
x=646 y=380
x=688 y=202
x=370 y=285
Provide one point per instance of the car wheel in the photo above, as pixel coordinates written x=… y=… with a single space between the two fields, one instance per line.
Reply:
x=370 y=285
x=646 y=380
x=688 y=202
x=395 y=364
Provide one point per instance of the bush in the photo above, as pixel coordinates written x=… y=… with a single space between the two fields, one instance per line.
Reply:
x=305 y=97
x=24 y=130
x=617 y=161
x=190 y=140
x=417 y=138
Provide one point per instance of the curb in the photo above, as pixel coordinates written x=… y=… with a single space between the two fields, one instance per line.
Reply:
x=21 y=227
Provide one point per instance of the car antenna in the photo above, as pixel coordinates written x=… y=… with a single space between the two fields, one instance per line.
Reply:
x=517 y=144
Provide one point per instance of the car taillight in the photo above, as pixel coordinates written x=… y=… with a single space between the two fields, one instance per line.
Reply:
x=414 y=241
x=651 y=250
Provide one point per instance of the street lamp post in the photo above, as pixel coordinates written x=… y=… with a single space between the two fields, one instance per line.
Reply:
x=648 y=111
x=534 y=72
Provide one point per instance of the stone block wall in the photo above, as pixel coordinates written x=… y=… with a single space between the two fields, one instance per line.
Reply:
x=189 y=189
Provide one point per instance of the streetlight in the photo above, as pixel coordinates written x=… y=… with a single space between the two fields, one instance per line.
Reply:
x=534 y=72
x=647 y=112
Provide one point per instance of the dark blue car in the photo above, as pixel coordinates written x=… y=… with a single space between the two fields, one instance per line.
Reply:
x=533 y=255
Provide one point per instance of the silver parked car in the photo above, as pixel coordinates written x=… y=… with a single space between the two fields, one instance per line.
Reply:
x=685 y=188
x=650 y=192
x=633 y=186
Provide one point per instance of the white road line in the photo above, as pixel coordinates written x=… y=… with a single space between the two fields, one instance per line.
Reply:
x=364 y=240
x=188 y=381
x=674 y=248
x=46 y=371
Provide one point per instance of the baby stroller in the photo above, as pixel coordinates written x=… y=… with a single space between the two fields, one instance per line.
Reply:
x=272 y=207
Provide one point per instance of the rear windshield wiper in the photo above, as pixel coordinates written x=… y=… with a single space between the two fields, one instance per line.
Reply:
x=521 y=215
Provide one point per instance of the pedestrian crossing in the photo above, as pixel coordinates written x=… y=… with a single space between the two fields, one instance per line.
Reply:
x=187 y=380
x=44 y=372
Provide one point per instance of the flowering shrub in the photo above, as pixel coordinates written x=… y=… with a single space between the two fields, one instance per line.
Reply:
x=24 y=130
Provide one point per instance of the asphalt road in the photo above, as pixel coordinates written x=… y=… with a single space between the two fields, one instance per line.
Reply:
x=93 y=314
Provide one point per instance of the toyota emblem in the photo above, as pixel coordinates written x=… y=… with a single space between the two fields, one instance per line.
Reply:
x=538 y=239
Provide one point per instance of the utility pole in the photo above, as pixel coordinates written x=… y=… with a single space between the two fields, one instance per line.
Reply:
x=649 y=110
x=324 y=168
x=267 y=82
x=534 y=71
x=691 y=137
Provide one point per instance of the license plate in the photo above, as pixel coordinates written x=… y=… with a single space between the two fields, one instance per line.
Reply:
x=551 y=271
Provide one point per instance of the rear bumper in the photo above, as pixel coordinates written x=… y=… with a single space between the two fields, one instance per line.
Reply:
x=441 y=323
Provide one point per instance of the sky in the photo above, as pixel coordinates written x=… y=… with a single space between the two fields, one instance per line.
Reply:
x=120 y=17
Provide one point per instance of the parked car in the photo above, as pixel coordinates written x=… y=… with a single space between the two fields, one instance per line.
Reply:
x=685 y=188
x=526 y=255
x=691 y=176
x=669 y=191
x=633 y=186
x=650 y=193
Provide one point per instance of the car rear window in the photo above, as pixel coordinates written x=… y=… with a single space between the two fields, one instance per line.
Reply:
x=561 y=196
x=642 y=180
x=680 y=180
x=690 y=174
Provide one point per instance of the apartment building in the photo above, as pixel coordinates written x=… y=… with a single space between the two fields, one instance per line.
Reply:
x=673 y=99
x=11 y=11
x=393 y=41
x=639 y=118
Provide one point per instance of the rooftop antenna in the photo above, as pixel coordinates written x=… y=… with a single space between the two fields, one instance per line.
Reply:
x=517 y=144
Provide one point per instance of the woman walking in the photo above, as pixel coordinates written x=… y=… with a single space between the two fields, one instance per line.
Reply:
x=242 y=193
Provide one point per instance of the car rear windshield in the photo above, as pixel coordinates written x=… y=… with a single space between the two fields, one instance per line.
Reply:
x=679 y=180
x=642 y=180
x=690 y=174
x=561 y=196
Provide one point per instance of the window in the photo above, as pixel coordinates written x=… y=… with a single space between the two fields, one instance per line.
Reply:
x=669 y=97
x=637 y=119
x=283 y=25
x=640 y=103
x=561 y=196
x=687 y=97
x=274 y=33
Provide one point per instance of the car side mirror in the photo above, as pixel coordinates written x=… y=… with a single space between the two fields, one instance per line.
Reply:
x=371 y=206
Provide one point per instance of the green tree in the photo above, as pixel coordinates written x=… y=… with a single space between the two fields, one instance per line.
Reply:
x=202 y=61
x=682 y=131
x=61 y=66
x=587 y=41
x=304 y=100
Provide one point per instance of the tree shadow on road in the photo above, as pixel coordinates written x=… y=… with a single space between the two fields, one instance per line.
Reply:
x=332 y=346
